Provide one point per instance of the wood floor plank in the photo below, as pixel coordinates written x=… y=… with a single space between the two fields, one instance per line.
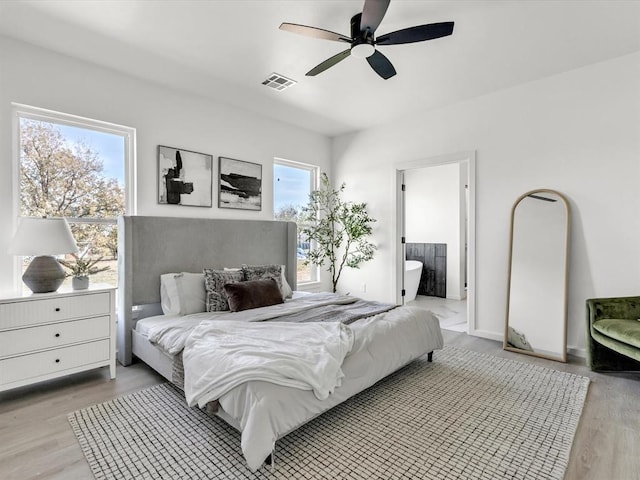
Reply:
x=37 y=442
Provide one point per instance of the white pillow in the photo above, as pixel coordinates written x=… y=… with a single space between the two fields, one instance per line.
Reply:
x=192 y=293
x=169 y=298
x=286 y=288
x=182 y=293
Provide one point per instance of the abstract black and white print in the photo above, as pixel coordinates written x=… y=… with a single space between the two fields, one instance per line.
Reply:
x=240 y=184
x=184 y=177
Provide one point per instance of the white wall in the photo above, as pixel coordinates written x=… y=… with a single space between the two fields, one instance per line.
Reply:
x=578 y=133
x=433 y=215
x=161 y=116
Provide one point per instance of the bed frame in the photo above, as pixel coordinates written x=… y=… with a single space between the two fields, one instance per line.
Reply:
x=151 y=246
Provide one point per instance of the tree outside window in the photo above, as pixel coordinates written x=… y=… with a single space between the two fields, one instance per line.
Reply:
x=293 y=182
x=78 y=173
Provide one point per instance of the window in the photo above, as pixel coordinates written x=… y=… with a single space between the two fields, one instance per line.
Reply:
x=76 y=168
x=292 y=184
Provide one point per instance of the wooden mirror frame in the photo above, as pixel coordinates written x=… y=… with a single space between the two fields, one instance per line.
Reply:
x=563 y=356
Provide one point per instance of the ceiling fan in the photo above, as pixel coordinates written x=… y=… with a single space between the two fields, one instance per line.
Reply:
x=363 y=42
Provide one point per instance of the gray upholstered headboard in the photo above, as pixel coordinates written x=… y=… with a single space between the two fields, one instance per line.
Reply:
x=151 y=246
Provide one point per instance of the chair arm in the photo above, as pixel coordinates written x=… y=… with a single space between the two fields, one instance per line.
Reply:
x=606 y=356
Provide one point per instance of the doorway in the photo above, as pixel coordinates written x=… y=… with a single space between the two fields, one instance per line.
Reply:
x=436 y=205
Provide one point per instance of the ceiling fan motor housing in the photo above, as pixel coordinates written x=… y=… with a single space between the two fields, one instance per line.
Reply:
x=362 y=44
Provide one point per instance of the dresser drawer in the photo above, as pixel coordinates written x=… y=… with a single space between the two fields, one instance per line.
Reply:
x=52 y=361
x=33 y=312
x=25 y=340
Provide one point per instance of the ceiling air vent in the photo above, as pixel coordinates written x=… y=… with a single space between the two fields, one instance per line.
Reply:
x=278 y=82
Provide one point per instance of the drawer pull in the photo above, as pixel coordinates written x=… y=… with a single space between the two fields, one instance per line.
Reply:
x=57 y=360
x=57 y=335
x=57 y=309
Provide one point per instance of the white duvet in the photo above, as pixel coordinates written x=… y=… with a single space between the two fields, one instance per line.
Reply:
x=221 y=355
x=266 y=409
x=171 y=334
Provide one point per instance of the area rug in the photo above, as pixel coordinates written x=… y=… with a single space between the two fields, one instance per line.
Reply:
x=467 y=415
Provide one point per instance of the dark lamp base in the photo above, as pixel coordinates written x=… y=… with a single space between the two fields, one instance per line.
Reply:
x=44 y=274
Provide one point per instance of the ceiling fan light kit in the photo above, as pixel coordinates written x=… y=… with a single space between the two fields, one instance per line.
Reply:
x=362 y=50
x=363 y=42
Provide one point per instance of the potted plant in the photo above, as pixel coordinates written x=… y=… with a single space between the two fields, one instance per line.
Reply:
x=339 y=230
x=80 y=269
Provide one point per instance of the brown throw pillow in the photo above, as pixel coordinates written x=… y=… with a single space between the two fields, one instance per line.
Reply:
x=252 y=294
x=262 y=272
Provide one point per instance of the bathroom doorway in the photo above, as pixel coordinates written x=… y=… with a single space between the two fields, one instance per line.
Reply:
x=436 y=213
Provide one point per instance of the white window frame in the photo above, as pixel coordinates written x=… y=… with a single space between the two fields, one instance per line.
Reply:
x=314 y=184
x=40 y=114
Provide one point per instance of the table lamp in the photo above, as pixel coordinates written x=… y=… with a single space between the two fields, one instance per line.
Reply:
x=43 y=238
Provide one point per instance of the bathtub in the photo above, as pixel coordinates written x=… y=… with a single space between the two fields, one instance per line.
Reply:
x=412 y=272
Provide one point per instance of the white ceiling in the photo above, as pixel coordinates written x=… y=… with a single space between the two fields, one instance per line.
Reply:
x=225 y=49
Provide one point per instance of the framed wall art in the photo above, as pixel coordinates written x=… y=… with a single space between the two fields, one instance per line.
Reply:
x=240 y=184
x=184 y=177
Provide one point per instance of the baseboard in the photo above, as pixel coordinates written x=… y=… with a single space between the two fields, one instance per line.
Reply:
x=577 y=352
x=571 y=349
x=486 y=334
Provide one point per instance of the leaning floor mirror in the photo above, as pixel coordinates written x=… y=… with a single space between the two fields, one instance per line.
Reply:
x=536 y=321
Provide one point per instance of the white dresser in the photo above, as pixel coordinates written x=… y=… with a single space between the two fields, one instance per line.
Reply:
x=49 y=335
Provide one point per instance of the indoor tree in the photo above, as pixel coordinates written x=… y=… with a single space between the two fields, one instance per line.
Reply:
x=337 y=229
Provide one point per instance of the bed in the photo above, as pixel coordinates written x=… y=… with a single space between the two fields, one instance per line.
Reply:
x=364 y=349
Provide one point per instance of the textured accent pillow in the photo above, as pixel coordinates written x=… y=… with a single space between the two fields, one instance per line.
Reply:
x=252 y=294
x=214 y=281
x=264 y=272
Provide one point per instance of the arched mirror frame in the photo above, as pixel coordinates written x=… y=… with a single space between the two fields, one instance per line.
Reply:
x=563 y=356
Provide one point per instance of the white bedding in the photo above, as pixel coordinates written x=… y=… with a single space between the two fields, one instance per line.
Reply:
x=221 y=355
x=171 y=335
x=158 y=324
x=264 y=411
x=145 y=325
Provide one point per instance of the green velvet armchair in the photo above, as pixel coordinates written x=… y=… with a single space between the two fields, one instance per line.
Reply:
x=614 y=334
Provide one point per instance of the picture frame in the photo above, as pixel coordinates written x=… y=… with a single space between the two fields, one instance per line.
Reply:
x=184 y=177
x=240 y=184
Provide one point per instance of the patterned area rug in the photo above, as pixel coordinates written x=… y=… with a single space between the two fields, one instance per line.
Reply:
x=465 y=416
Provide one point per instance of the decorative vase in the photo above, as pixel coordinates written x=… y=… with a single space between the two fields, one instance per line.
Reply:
x=80 y=283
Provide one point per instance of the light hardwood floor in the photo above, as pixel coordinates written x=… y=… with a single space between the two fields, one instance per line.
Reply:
x=36 y=440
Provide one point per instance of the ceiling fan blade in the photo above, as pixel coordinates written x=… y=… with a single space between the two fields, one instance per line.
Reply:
x=372 y=14
x=314 y=32
x=381 y=65
x=416 y=34
x=328 y=63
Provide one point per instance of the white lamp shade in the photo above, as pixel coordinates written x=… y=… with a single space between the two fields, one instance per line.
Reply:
x=43 y=236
